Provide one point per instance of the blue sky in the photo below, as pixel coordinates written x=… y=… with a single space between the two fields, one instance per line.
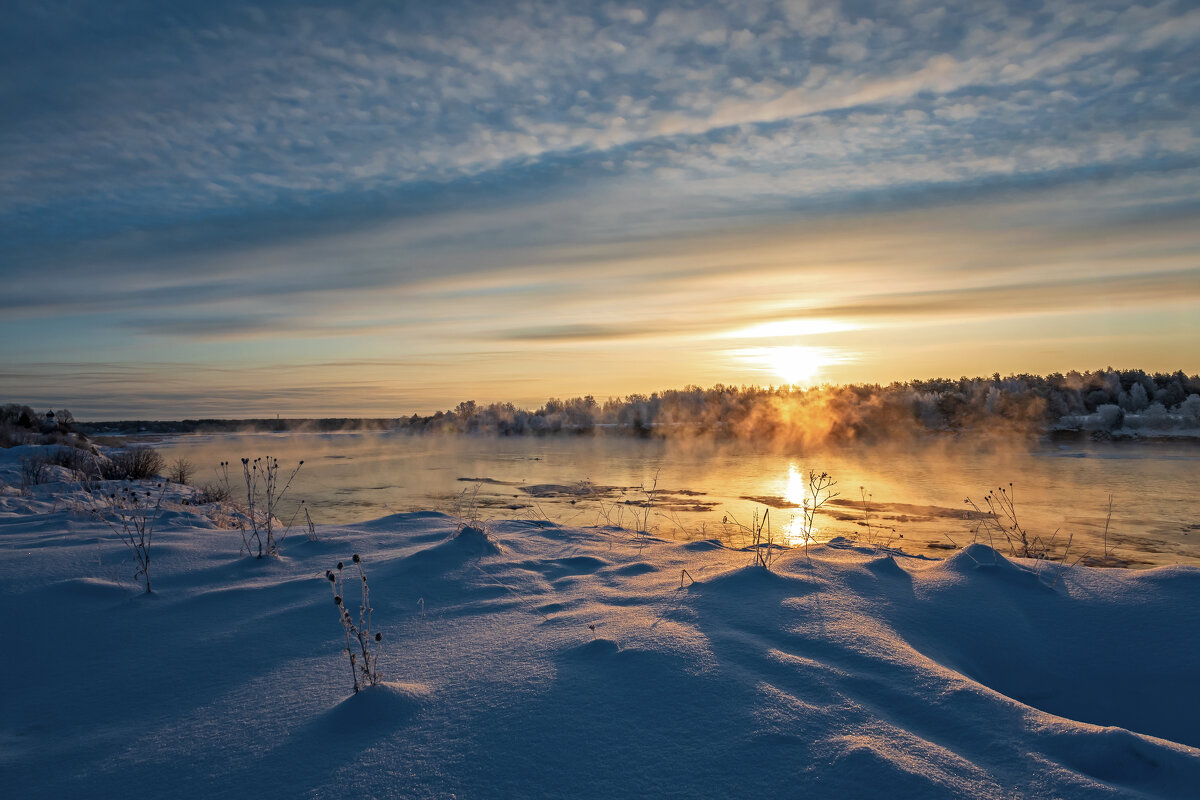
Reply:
x=380 y=208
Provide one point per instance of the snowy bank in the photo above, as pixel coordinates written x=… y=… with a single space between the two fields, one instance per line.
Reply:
x=843 y=672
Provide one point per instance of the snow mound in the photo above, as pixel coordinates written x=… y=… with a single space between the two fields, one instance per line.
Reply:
x=704 y=544
x=596 y=648
x=562 y=662
x=476 y=540
x=886 y=566
x=386 y=703
x=980 y=560
x=751 y=578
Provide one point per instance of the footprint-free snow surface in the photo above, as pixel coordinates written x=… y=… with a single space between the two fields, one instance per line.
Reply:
x=842 y=672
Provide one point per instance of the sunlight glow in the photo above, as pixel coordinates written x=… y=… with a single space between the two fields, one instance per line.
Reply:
x=796 y=365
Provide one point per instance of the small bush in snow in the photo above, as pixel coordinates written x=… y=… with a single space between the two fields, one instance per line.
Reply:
x=218 y=492
x=362 y=646
x=181 y=471
x=131 y=513
x=35 y=470
x=133 y=464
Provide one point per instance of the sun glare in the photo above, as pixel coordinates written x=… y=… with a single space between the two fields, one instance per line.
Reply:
x=796 y=365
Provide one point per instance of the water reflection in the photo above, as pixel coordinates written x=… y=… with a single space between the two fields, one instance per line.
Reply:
x=794 y=493
x=803 y=526
x=355 y=476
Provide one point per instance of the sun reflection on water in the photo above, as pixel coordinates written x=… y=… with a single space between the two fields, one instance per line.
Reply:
x=796 y=492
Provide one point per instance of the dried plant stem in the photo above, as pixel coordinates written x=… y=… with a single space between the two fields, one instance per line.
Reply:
x=364 y=664
x=131 y=514
x=263 y=496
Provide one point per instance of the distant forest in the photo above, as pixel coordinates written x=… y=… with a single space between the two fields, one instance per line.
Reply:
x=1101 y=404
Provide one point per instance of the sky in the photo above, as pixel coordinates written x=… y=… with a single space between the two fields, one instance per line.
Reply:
x=375 y=209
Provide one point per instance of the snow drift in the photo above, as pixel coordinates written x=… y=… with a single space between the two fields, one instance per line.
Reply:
x=529 y=660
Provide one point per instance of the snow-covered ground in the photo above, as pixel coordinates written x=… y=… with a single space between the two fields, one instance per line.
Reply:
x=842 y=672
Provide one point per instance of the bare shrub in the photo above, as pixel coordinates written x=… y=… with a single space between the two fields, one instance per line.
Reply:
x=218 y=491
x=364 y=660
x=131 y=513
x=181 y=471
x=81 y=462
x=133 y=464
x=35 y=469
x=213 y=493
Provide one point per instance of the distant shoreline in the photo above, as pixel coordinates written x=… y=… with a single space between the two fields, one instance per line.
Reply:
x=654 y=430
x=1103 y=405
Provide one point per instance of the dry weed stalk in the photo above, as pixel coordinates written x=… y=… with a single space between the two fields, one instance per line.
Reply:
x=131 y=514
x=1000 y=520
x=263 y=496
x=364 y=664
x=820 y=492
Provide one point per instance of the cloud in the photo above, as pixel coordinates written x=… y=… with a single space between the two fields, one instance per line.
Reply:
x=1124 y=292
x=225 y=111
x=427 y=176
x=580 y=333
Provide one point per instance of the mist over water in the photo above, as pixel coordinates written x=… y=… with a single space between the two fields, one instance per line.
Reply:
x=696 y=488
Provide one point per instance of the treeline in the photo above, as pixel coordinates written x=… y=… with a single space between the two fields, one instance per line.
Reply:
x=21 y=424
x=1103 y=403
x=273 y=425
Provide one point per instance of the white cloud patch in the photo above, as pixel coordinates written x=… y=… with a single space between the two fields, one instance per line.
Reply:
x=309 y=101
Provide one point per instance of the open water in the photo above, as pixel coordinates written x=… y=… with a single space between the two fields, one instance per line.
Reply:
x=913 y=497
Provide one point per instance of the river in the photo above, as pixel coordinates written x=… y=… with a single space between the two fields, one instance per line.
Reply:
x=912 y=497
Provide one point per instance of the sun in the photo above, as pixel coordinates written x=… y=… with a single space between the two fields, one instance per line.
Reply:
x=796 y=365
